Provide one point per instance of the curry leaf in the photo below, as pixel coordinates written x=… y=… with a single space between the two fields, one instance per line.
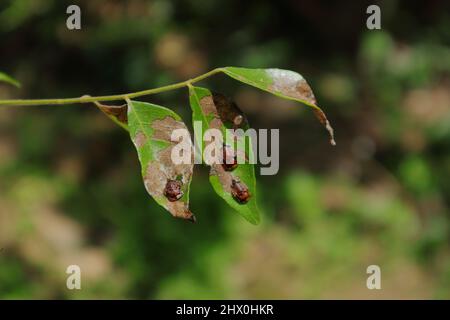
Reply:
x=151 y=128
x=5 y=78
x=282 y=83
x=235 y=184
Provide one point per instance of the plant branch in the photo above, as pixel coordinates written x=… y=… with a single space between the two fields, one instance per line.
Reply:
x=87 y=99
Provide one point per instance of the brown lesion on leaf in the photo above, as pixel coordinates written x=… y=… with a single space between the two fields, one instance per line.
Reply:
x=165 y=180
x=162 y=129
x=216 y=123
x=225 y=114
x=155 y=180
x=207 y=105
x=297 y=89
x=225 y=178
x=294 y=86
x=304 y=90
x=223 y=109
x=139 y=139
x=161 y=182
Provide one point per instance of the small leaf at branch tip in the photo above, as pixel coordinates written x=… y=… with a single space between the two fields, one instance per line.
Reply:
x=8 y=79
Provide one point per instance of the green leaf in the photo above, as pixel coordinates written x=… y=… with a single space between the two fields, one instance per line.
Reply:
x=217 y=112
x=5 y=78
x=150 y=128
x=285 y=84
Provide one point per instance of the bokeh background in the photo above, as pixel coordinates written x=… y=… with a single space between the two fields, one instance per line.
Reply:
x=70 y=185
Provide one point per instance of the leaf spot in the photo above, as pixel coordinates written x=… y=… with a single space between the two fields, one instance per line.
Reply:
x=291 y=84
x=140 y=139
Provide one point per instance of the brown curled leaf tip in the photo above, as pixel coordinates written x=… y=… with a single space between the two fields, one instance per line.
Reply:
x=324 y=121
x=239 y=191
x=186 y=214
x=173 y=191
x=119 y=112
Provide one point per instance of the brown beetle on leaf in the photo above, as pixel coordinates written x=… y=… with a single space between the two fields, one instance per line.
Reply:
x=239 y=191
x=173 y=191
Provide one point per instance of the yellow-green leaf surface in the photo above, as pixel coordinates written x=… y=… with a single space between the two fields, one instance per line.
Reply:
x=217 y=112
x=150 y=128
x=8 y=79
x=284 y=84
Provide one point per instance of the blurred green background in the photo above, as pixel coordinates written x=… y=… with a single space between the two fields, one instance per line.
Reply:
x=70 y=185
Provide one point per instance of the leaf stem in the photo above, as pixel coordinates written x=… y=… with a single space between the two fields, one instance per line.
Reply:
x=87 y=99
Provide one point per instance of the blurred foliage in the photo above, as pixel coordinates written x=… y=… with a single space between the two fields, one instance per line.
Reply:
x=70 y=190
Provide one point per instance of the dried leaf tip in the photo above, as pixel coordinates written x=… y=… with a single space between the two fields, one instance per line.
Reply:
x=324 y=121
x=192 y=218
x=331 y=133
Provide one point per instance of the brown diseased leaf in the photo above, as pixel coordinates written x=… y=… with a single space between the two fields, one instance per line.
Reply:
x=163 y=171
x=283 y=83
x=216 y=111
x=166 y=180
